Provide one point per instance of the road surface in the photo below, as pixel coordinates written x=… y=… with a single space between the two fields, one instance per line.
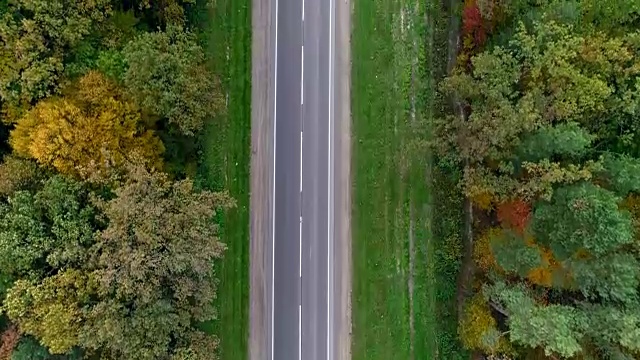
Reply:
x=302 y=231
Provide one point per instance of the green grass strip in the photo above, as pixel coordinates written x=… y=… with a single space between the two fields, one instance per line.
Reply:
x=224 y=164
x=399 y=55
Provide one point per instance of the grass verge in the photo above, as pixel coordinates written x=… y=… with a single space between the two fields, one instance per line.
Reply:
x=405 y=225
x=224 y=163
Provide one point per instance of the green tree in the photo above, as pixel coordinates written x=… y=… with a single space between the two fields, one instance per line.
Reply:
x=565 y=140
x=153 y=267
x=567 y=331
x=36 y=35
x=45 y=230
x=582 y=217
x=558 y=329
x=30 y=349
x=167 y=76
x=621 y=173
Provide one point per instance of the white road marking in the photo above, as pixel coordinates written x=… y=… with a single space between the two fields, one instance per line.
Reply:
x=302 y=76
x=300 y=239
x=301 y=164
x=300 y=332
x=300 y=262
x=329 y=265
x=273 y=211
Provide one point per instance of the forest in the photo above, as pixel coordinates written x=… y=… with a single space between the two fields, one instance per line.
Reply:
x=107 y=239
x=546 y=129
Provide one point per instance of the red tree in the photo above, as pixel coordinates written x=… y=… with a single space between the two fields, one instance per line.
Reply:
x=514 y=214
x=8 y=342
x=473 y=24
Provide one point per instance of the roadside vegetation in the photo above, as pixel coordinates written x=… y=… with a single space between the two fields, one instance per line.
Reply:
x=406 y=221
x=547 y=145
x=112 y=230
x=224 y=161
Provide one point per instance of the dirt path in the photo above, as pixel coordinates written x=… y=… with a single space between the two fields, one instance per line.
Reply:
x=343 y=183
x=466 y=270
x=261 y=177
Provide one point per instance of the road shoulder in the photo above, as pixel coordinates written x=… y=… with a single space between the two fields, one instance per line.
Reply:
x=342 y=215
x=261 y=200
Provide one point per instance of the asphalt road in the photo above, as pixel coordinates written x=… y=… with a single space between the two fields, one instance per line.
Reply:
x=302 y=239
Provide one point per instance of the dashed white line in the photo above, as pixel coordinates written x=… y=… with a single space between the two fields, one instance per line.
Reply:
x=300 y=247
x=300 y=162
x=302 y=75
x=273 y=211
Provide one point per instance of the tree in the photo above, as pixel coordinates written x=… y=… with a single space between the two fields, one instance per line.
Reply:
x=153 y=266
x=36 y=34
x=515 y=253
x=30 y=349
x=93 y=124
x=50 y=310
x=167 y=76
x=565 y=140
x=548 y=96
x=564 y=330
x=125 y=278
x=18 y=174
x=582 y=217
x=478 y=329
x=8 y=341
x=622 y=173
x=169 y=12
x=558 y=329
x=482 y=252
x=514 y=214
x=45 y=230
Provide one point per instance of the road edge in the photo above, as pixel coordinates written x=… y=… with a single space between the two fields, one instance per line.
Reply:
x=261 y=173
x=342 y=249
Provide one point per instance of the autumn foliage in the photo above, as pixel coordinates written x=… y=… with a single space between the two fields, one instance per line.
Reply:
x=8 y=341
x=514 y=214
x=478 y=328
x=472 y=23
x=482 y=253
x=93 y=124
x=543 y=275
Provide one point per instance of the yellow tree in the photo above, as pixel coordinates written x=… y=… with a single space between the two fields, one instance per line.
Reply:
x=92 y=127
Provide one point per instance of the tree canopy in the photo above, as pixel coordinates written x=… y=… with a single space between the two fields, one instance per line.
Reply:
x=548 y=147
x=167 y=76
x=154 y=256
x=92 y=125
x=107 y=251
x=125 y=276
x=35 y=35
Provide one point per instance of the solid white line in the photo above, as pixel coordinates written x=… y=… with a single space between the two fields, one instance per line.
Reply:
x=329 y=185
x=273 y=211
x=302 y=76
x=300 y=332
